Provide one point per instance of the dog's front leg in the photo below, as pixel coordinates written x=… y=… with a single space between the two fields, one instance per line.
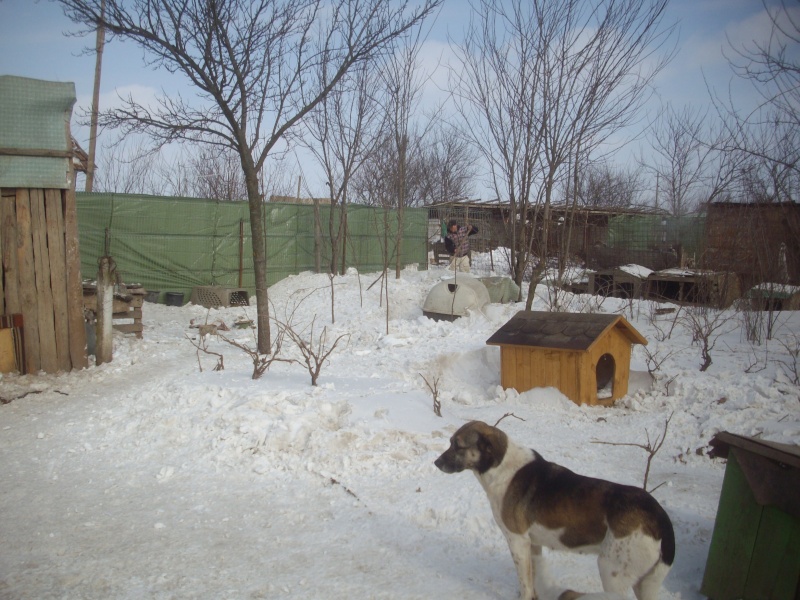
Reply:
x=526 y=558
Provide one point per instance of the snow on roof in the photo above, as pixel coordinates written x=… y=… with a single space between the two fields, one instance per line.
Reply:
x=636 y=270
x=776 y=289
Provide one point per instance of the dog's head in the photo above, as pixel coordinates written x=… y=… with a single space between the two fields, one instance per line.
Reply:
x=475 y=446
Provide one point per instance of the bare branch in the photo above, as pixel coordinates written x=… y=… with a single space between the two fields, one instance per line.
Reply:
x=651 y=448
x=433 y=386
x=508 y=414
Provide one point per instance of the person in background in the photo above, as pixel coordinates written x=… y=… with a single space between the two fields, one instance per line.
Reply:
x=457 y=245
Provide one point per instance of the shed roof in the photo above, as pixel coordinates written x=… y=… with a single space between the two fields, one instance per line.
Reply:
x=562 y=331
x=786 y=454
x=34 y=125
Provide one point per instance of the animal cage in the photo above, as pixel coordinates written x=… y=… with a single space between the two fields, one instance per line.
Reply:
x=216 y=296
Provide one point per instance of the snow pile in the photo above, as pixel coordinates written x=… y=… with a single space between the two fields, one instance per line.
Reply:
x=156 y=476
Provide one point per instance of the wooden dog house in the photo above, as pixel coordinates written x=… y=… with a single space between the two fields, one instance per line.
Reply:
x=586 y=356
x=755 y=546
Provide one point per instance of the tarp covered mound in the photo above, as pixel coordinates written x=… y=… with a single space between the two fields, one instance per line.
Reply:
x=34 y=122
x=453 y=297
x=502 y=290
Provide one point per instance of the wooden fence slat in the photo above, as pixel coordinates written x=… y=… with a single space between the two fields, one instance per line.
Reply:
x=6 y=197
x=8 y=235
x=58 y=275
x=41 y=261
x=27 y=283
x=77 y=327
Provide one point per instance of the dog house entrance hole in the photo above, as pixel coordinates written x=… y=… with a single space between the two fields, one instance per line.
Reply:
x=604 y=374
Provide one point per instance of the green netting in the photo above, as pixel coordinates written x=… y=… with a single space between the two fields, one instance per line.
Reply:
x=639 y=233
x=175 y=244
x=34 y=115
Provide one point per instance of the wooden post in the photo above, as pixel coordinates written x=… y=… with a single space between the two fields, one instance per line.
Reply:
x=75 y=316
x=317 y=237
x=241 y=251
x=99 y=45
x=105 y=309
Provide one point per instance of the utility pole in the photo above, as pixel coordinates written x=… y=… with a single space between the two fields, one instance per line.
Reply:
x=657 y=182
x=99 y=45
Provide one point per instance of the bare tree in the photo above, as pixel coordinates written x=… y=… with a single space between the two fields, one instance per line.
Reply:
x=542 y=83
x=440 y=167
x=598 y=65
x=261 y=361
x=495 y=82
x=602 y=186
x=707 y=324
x=249 y=63
x=126 y=168
x=772 y=65
x=341 y=133
x=681 y=160
x=447 y=166
x=769 y=133
x=314 y=351
x=402 y=87
x=217 y=175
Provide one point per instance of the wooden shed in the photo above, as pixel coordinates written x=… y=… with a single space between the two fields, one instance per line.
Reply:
x=41 y=294
x=693 y=286
x=627 y=281
x=755 y=546
x=586 y=356
x=759 y=241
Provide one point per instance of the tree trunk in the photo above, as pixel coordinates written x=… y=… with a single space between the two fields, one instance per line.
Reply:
x=259 y=241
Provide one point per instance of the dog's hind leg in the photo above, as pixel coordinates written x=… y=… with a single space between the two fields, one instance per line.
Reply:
x=647 y=587
x=617 y=567
x=615 y=577
x=631 y=560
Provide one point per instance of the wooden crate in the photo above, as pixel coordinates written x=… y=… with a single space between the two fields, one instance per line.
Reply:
x=126 y=306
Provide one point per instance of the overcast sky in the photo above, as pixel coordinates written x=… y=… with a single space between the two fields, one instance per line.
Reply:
x=33 y=44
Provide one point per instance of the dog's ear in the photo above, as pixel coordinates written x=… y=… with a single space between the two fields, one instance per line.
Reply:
x=492 y=444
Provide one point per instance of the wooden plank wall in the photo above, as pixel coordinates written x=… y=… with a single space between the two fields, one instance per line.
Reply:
x=524 y=368
x=41 y=276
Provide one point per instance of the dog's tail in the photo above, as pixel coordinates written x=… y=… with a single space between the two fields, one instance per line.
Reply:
x=667 y=538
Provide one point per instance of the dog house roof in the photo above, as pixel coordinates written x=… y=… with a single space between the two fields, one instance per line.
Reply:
x=563 y=331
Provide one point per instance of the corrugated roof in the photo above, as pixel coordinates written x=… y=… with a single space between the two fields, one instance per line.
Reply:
x=562 y=331
x=34 y=120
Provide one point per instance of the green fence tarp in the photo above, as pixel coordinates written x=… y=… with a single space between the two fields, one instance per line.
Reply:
x=34 y=116
x=176 y=244
x=645 y=232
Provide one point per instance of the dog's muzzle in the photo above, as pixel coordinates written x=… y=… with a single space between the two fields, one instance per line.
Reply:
x=446 y=463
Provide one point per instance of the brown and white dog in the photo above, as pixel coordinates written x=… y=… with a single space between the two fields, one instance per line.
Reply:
x=538 y=503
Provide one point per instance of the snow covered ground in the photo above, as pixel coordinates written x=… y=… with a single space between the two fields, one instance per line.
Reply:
x=155 y=476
